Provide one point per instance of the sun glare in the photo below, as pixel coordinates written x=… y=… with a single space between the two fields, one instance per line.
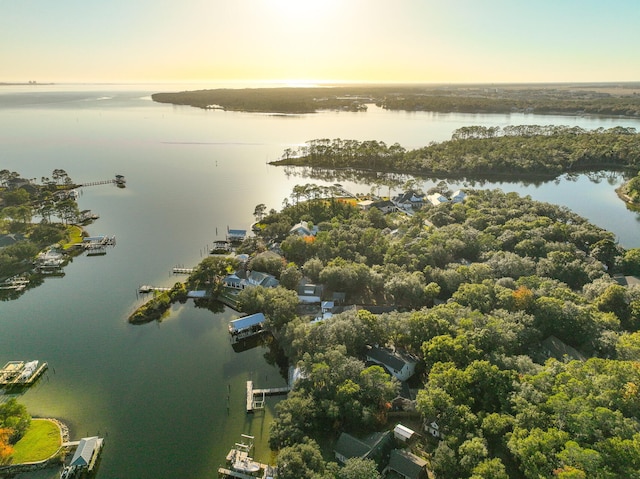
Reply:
x=293 y=9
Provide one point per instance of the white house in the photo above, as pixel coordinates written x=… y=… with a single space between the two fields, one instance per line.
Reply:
x=401 y=366
x=409 y=199
x=433 y=429
x=437 y=199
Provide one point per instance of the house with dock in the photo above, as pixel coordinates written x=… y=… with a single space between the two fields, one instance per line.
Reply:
x=85 y=457
x=246 y=327
x=236 y=235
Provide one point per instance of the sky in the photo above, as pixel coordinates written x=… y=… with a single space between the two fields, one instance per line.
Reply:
x=316 y=41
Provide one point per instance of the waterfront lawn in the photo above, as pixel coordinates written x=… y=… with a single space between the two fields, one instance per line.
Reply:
x=75 y=236
x=40 y=442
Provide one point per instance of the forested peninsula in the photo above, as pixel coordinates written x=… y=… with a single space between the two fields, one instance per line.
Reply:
x=519 y=151
x=518 y=313
x=568 y=99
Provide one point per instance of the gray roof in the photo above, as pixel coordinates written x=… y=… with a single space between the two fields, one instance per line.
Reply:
x=85 y=451
x=246 y=322
x=349 y=446
x=386 y=357
x=407 y=464
x=9 y=239
x=626 y=280
x=263 y=279
x=558 y=349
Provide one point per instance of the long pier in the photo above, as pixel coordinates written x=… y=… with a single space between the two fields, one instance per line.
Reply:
x=119 y=181
x=96 y=183
x=253 y=403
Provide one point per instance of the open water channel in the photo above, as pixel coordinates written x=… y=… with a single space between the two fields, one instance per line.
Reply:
x=169 y=397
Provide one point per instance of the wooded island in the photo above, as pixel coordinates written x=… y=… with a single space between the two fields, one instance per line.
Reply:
x=513 y=152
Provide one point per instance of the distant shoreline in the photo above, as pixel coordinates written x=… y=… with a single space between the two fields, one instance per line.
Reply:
x=611 y=100
x=24 y=84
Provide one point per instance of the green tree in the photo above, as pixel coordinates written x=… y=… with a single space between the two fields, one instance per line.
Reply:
x=290 y=277
x=300 y=460
x=357 y=468
x=268 y=262
x=490 y=469
x=15 y=417
x=260 y=211
x=631 y=261
x=16 y=197
x=312 y=269
x=628 y=347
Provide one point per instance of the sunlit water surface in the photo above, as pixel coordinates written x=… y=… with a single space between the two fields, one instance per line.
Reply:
x=170 y=397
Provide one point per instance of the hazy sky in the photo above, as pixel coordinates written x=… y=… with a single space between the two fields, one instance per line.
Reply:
x=315 y=40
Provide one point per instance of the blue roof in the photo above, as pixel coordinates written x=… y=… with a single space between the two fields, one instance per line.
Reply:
x=85 y=450
x=246 y=322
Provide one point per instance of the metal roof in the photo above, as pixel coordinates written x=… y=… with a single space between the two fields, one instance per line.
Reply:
x=246 y=322
x=85 y=450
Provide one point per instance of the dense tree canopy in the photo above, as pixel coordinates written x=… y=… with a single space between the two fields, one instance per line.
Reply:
x=486 y=299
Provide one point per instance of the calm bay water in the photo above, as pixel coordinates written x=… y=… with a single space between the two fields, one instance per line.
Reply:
x=170 y=396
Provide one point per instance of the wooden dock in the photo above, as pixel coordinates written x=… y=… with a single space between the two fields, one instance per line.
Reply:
x=11 y=374
x=178 y=270
x=119 y=180
x=253 y=403
x=145 y=288
x=229 y=473
x=96 y=183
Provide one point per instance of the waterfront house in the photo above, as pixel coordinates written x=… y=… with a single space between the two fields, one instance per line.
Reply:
x=402 y=366
x=236 y=236
x=258 y=278
x=240 y=280
x=409 y=200
x=385 y=206
x=246 y=326
x=437 y=199
x=458 y=196
x=86 y=454
x=364 y=205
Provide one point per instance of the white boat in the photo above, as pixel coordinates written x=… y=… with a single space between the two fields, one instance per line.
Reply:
x=28 y=370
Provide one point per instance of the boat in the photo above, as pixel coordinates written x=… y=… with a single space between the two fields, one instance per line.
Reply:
x=28 y=369
x=240 y=461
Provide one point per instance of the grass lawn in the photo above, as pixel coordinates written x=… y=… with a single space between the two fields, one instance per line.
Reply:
x=40 y=442
x=75 y=236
